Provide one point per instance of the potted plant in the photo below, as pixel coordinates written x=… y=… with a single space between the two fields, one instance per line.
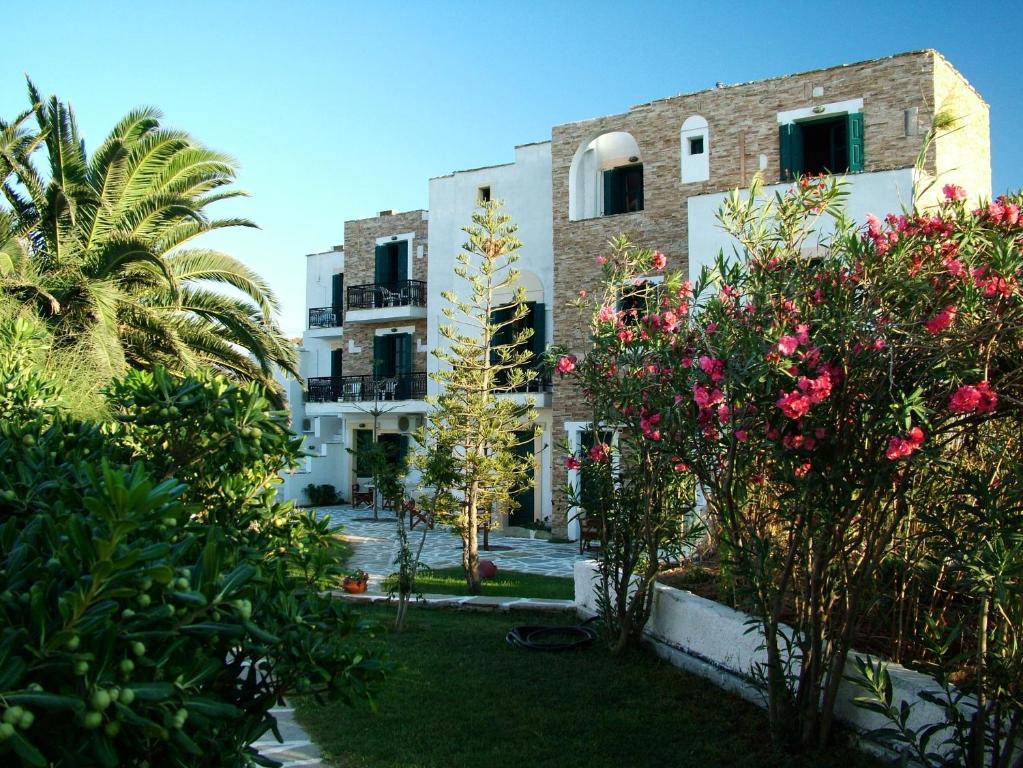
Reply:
x=355 y=582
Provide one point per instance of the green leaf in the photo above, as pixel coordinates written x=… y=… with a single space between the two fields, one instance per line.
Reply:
x=213 y=708
x=152 y=691
x=28 y=753
x=45 y=700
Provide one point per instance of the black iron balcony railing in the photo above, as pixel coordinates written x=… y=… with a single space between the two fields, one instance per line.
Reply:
x=332 y=389
x=405 y=293
x=325 y=317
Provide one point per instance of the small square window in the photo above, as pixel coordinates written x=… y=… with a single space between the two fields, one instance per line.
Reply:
x=483 y=194
x=696 y=145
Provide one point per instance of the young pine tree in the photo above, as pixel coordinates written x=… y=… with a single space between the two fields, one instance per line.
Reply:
x=487 y=355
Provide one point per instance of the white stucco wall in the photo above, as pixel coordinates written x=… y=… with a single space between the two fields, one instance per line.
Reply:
x=878 y=193
x=524 y=186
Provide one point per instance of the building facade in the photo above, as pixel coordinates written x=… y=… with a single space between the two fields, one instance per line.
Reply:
x=657 y=173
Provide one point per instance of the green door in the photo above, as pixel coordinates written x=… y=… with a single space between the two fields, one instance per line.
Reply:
x=526 y=498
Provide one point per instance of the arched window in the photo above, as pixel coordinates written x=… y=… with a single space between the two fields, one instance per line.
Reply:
x=695 y=150
x=606 y=177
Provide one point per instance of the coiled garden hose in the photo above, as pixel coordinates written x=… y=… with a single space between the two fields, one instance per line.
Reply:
x=534 y=638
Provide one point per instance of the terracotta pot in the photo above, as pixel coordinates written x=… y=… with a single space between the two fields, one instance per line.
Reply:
x=354 y=587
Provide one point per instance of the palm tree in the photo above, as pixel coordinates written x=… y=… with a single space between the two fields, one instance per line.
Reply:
x=103 y=247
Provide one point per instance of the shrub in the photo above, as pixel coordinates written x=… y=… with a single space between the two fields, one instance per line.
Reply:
x=155 y=601
x=321 y=495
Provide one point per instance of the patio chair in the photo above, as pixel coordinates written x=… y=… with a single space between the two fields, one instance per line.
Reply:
x=417 y=515
x=589 y=533
x=387 y=388
x=389 y=298
x=361 y=497
x=353 y=390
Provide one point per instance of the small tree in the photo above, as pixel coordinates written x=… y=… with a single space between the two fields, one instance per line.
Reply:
x=486 y=357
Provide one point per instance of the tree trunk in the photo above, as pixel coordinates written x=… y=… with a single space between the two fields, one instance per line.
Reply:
x=470 y=542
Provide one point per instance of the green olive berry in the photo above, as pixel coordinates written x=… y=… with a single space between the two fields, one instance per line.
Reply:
x=6 y=731
x=127 y=696
x=100 y=700
x=112 y=728
x=81 y=667
x=73 y=642
x=145 y=600
x=13 y=714
x=92 y=720
x=127 y=667
x=26 y=721
x=138 y=648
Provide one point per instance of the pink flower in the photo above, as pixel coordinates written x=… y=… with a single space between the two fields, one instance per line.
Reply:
x=567 y=364
x=954 y=192
x=669 y=321
x=582 y=294
x=571 y=463
x=803 y=470
x=741 y=435
x=600 y=453
x=602 y=260
x=802 y=333
x=605 y=314
x=711 y=327
x=942 y=320
x=659 y=261
x=787 y=345
x=970 y=398
x=681 y=467
x=904 y=447
x=817 y=389
x=794 y=405
x=713 y=367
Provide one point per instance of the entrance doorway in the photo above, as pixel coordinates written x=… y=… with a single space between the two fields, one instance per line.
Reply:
x=526 y=498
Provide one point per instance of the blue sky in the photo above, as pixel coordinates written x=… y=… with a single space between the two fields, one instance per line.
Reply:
x=337 y=110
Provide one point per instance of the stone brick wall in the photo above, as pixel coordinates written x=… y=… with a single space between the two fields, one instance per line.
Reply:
x=742 y=123
x=360 y=263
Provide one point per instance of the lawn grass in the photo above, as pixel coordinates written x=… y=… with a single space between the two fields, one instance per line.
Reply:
x=451 y=581
x=463 y=697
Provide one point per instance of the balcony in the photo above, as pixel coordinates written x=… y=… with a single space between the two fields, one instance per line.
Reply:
x=325 y=317
x=377 y=302
x=353 y=389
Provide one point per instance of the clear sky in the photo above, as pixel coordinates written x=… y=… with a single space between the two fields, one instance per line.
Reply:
x=337 y=110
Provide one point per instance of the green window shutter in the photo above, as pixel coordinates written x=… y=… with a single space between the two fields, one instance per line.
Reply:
x=383 y=265
x=405 y=340
x=612 y=192
x=402 y=447
x=402 y=272
x=379 y=355
x=855 y=133
x=337 y=289
x=539 y=321
x=637 y=180
x=335 y=363
x=502 y=336
x=790 y=144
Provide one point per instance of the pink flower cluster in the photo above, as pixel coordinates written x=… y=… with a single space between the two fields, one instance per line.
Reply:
x=974 y=398
x=953 y=192
x=713 y=367
x=810 y=391
x=567 y=364
x=600 y=453
x=648 y=423
x=572 y=463
x=903 y=447
x=942 y=320
x=659 y=260
x=1000 y=212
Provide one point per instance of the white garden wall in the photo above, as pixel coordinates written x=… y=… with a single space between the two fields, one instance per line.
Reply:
x=715 y=642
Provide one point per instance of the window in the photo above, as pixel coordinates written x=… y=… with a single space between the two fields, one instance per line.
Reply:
x=535 y=318
x=391 y=263
x=623 y=189
x=695 y=150
x=832 y=144
x=392 y=355
x=337 y=290
x=483 y=194
x=635 y=299
x=363 y=446
x=335 y=363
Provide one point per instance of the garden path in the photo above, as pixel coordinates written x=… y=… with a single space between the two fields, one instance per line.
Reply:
x=375 y=547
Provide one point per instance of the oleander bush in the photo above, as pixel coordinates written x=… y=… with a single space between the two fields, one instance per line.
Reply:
x=155 y=600
x=851 y=404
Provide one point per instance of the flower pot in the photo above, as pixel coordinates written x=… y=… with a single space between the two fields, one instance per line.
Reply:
x=354 y=587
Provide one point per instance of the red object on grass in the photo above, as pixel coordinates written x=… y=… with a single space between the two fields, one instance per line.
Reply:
x=488 y=569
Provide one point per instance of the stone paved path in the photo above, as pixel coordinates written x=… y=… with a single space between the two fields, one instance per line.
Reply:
x=375 y=546
x=297 y=749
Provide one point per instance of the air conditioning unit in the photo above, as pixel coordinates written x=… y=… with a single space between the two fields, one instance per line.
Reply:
x=307 y=425
x=404 y=422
